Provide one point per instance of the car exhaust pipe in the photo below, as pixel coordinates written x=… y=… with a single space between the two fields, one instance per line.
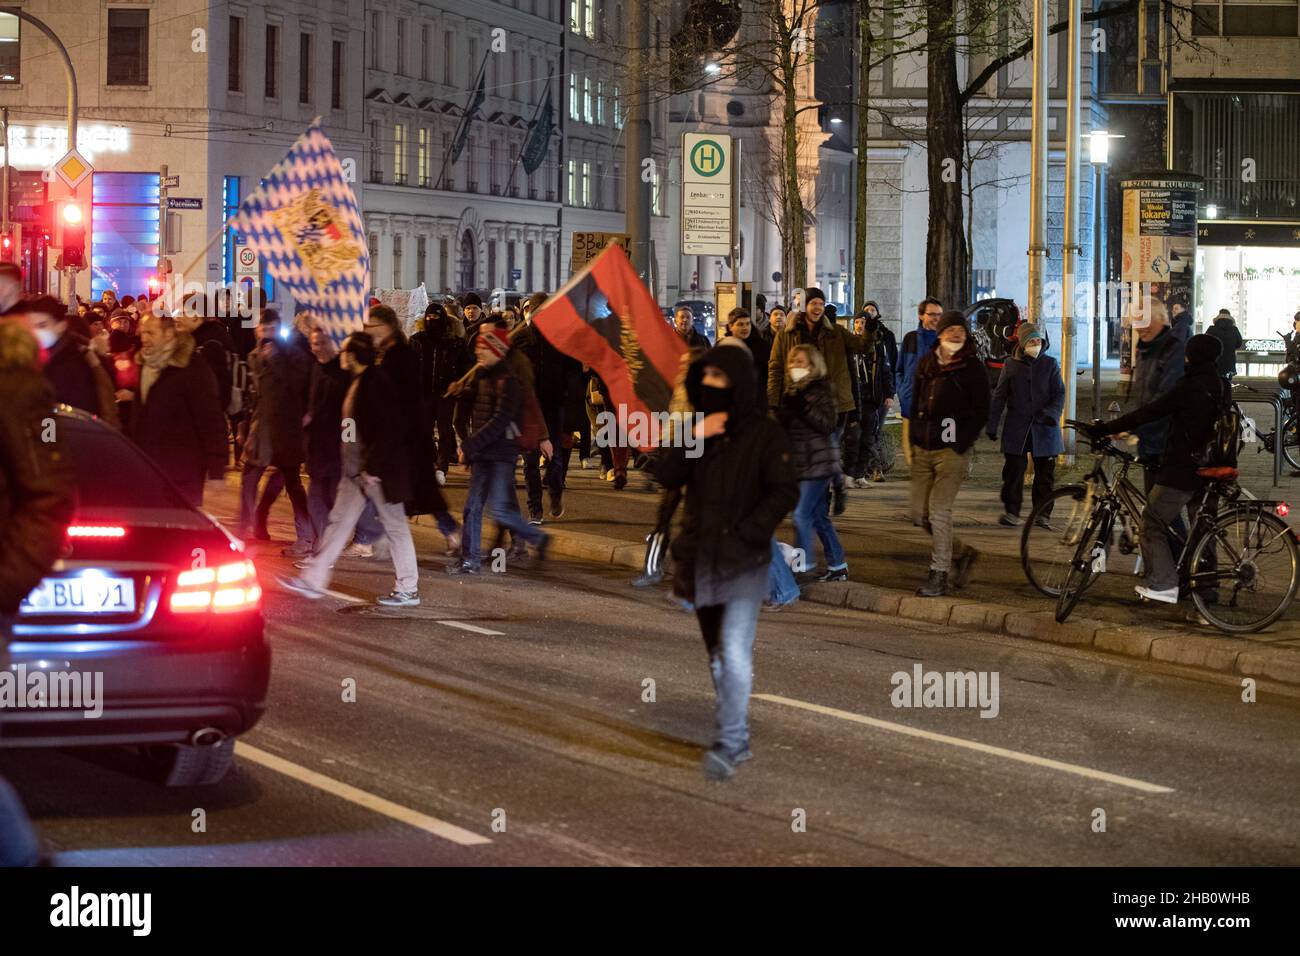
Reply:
x=207 y=737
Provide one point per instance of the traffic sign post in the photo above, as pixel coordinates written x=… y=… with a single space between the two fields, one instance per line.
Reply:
x=708 y=200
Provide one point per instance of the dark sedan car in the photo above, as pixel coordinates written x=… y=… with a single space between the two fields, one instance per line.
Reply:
x=159 y=603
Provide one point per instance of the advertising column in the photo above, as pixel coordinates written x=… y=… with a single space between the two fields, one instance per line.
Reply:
x=1159 y=250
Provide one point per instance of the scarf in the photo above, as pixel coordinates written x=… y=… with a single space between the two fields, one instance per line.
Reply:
x=152 y=363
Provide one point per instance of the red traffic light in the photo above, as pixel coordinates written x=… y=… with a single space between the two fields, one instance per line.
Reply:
x=73 y=214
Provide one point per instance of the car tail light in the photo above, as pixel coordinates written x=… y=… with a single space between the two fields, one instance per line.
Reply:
x=223 y=589
x=96 y=531
x=1283 y=509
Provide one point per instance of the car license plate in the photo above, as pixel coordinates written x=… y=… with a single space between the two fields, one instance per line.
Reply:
x=88 y=594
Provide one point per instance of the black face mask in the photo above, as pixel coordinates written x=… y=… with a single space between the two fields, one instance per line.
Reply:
x=872 y=322
x=714 y=399
x=119 y=341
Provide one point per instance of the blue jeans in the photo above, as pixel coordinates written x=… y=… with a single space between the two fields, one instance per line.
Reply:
x=369 y=530
x=19 y=845
x=728 y=631
x=810 y=515
x=781 y=585
x=322 y=489
x=492 y=484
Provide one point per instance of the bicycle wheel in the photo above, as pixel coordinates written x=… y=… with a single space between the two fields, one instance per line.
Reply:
x=1096 y=535
x=1046 y=552
x=1291 y=442
x=1245 y=570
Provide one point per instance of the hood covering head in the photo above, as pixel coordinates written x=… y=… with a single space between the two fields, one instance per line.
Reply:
x=18 y=347
x=1203 y=349
x=738 y=364
x=1224 y=316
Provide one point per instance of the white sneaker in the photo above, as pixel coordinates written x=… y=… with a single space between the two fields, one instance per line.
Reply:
x=861 y=483
x=441 y=476
x=357 y=550
x=1165 y=597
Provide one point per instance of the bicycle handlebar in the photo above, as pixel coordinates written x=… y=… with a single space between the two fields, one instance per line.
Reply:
x=1102 y=445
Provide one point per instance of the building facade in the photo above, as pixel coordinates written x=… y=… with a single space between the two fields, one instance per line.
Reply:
x=475 y=218
x=216 y=95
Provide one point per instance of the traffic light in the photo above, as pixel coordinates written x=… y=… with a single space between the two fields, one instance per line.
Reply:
x=7 y=246
x=74 y=236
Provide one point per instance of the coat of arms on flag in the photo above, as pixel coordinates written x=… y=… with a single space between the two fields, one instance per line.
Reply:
x=303 y=221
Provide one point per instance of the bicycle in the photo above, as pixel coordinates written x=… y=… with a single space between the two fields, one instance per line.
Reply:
x=1241 y=567
x=1290 y=435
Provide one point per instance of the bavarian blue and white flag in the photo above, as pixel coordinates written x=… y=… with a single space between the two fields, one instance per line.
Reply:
x=303 y=222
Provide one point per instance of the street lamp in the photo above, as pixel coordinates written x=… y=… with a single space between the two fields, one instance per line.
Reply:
x=1211 y=211
x=713 y=69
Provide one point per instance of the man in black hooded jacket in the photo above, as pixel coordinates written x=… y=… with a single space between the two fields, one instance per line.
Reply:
x=1193 y=405
x=737 y=490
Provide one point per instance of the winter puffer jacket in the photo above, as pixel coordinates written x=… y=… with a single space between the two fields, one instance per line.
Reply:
x=1225 y=330
x=950 y=403
x=37 y=492
x=807 y=414
x=738 y=490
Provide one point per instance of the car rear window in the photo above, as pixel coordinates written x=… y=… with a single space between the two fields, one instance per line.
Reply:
x=112 y=473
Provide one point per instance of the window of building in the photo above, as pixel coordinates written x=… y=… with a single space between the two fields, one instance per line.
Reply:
x=397 y=262
x=422 y=157
x=516 y=91
x=421 y=259
x=589 y=18
x=573 y=183
x=234 y=54
x=510 y=265
x=656 y=197
x=586 y=184
x=272 y=61
x=616 y=107
x=10 y=48
x=448 y=58
x=472 y=65
x=471 y=165
x=535 y=78
x=600 y=102
x=492 y=167
x=336 y=75
x=399 y=154
x=376 y=157
x=573 y=97
x=599 y=199
x=618 y=191
x=492 y=262
x=546 y=263
x=376 y=27
x=124 y=254
x=588 y=113
x=128 y=48
x=494 y=78
x=575 y=16
x=528 y=267
x=401 y=46
x=444 y=248
x=306 y=71
x=425 y=53
x=1265 y=18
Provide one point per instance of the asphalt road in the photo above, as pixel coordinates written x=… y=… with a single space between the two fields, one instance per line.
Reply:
x=505 y=722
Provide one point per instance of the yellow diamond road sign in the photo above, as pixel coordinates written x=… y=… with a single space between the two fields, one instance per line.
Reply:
x=73 y=169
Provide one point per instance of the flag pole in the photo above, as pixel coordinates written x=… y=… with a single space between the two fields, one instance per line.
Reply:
x=524 y=145
x=464 y=118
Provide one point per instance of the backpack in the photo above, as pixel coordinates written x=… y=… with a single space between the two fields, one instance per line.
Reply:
x=1217 y=458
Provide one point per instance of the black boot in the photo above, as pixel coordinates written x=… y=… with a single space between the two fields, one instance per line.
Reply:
x=936 y=585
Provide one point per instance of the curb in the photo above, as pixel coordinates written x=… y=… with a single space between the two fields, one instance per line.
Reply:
x=1222 y=655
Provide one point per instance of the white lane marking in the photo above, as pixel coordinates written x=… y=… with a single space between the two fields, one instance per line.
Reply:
x=412 y=818
x=970 y=745
x=471 y=627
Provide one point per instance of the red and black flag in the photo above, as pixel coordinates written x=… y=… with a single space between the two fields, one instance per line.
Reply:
x=608 y=320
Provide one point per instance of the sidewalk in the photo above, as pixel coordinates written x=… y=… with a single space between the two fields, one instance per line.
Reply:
x=888 y=559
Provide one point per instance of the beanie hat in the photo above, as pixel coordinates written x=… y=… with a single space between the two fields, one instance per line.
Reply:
x=1224 y=314
x=950 y=318
x=812 y=293
x=471 y=298
x=1203 y=348
x=1026 y=332
x=496 y=338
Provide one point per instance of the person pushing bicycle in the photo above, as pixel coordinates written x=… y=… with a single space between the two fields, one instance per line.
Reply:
x=1192 y=406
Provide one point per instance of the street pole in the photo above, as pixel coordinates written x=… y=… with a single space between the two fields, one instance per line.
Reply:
x=4 y=228
x=637 y=148
x=1069 y=344
x=1038 y=166
x=1099 y=287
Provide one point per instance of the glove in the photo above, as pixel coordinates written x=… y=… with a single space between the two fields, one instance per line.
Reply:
x=1095 y=429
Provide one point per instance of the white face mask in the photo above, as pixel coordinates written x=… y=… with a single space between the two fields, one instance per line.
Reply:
x=799 y=374
x=1033 y=348
x=47 y=337
x=951 y=348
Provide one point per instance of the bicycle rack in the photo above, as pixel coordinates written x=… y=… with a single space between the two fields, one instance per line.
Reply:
x=1267 y=398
